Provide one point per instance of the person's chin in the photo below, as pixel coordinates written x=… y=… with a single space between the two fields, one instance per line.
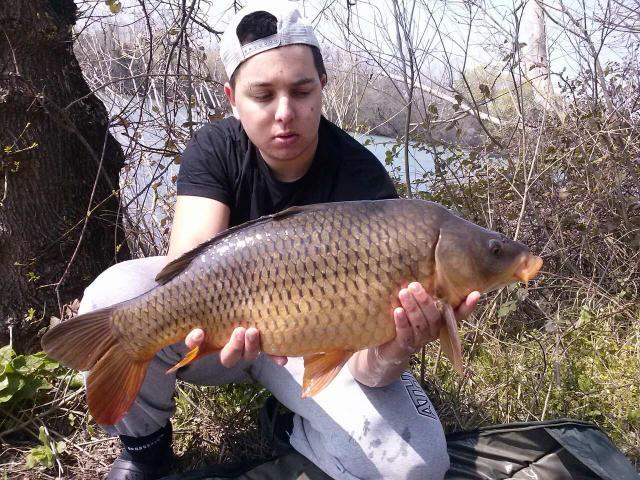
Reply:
x=286 y=151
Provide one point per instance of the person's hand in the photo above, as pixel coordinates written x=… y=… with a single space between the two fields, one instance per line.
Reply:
x=244 y=344
x=418 y=322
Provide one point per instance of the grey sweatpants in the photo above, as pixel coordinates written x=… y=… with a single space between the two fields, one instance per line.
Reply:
x=349 y=430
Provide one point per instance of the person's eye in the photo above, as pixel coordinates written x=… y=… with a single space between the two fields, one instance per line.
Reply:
x=302 y=93
x=261 y=97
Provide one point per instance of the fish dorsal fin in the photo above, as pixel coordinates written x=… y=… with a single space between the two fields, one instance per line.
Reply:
x=177 y=266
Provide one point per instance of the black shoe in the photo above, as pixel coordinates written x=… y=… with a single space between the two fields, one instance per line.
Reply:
x=123 y=469
x=144 y=458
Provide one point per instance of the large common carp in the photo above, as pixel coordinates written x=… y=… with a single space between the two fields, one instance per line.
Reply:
x=319 y=281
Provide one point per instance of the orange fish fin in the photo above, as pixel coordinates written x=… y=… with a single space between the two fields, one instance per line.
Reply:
x=450 y=341
x=81 y=341
x=113 y=385
x=320 y=369
x=194 y=354
x=87 y=342
x=186 y=360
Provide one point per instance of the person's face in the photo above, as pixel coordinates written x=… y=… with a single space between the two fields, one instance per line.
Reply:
x=277 y=97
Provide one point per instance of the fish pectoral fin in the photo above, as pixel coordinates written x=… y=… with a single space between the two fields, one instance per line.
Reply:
x=320 y=369
x=450 y=340
x=192 y=355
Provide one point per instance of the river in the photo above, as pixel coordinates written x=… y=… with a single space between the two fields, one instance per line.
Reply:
x=148 y=179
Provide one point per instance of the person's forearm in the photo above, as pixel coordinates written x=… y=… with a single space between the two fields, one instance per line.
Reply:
x=370 y=369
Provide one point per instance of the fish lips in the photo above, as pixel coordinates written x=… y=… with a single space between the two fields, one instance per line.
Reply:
x=529 y=267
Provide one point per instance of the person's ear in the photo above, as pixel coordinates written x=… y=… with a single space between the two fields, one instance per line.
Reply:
x=323 y=80
x=231 y=95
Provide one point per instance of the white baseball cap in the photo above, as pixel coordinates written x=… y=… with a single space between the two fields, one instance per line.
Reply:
x=292 y=28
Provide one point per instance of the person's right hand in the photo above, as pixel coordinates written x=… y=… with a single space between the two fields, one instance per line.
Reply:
x=244 y=344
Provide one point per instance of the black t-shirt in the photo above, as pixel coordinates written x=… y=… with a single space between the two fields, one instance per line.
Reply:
x=221 y=163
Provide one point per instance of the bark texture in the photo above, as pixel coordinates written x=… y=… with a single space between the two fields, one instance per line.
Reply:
x=54 y=146
x=535 y=58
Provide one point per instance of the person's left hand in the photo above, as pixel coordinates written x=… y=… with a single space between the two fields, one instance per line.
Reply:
x=244 y=344
x=418 y=322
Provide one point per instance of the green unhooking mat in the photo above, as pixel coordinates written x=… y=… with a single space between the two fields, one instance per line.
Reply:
x=553 y=450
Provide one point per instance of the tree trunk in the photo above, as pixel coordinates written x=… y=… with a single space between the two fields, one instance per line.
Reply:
x=58 y=163
x=535 y=58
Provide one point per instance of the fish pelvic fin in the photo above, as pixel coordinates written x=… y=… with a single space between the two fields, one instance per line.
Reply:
x=450 y=340
x=194 y=354
x=320 y=369
x=113 y=384
x=88 y=342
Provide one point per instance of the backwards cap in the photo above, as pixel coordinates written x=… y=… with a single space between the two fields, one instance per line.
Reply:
x=291 y=29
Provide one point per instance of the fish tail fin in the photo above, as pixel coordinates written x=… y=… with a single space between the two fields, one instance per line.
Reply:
x=113 y=384
x=80 y=342
x=87 y=342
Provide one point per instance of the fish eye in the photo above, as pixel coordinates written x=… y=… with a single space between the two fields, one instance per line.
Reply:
x=495 y=247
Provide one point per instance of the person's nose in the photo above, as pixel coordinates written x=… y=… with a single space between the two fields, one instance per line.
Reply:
x=284 y=110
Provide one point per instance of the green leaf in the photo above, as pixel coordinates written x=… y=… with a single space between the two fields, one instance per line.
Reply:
x=77 y=381
x=388 y=157
x=14 y=384
x=114 y=6
x=41 y=455
x=506 y=308
x=27 y=364
x=4 y=383
x=42 y=436
x=585 y=316
x=6 y=354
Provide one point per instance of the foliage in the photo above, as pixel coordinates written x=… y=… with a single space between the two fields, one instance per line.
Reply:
x=220 y=424
x=23 y=378
x=568 y=346
x=44 y=454
x=581 y=367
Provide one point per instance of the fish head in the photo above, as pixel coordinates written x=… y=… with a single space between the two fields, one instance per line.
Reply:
x=469 y=257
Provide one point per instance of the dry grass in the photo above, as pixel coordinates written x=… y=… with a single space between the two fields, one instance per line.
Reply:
x=211 y=425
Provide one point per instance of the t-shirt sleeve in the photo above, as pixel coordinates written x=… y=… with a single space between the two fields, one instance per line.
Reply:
x=205 y=166
x=362 y=176
x=373 y=181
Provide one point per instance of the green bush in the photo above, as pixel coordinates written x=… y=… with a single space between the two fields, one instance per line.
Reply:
x=25 y=379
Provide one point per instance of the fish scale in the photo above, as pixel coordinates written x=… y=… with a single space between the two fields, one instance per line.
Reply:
x=292 y=246
x=319 y=281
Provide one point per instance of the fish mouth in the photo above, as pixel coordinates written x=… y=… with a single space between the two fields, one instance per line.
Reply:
x=529 y=268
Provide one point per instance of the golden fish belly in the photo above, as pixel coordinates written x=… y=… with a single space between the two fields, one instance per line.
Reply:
x=319 y=281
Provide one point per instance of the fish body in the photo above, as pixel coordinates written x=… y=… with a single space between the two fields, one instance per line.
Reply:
x=319 y=281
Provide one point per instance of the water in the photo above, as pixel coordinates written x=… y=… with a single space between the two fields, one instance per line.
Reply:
x=148 y=180
x=384 y=148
